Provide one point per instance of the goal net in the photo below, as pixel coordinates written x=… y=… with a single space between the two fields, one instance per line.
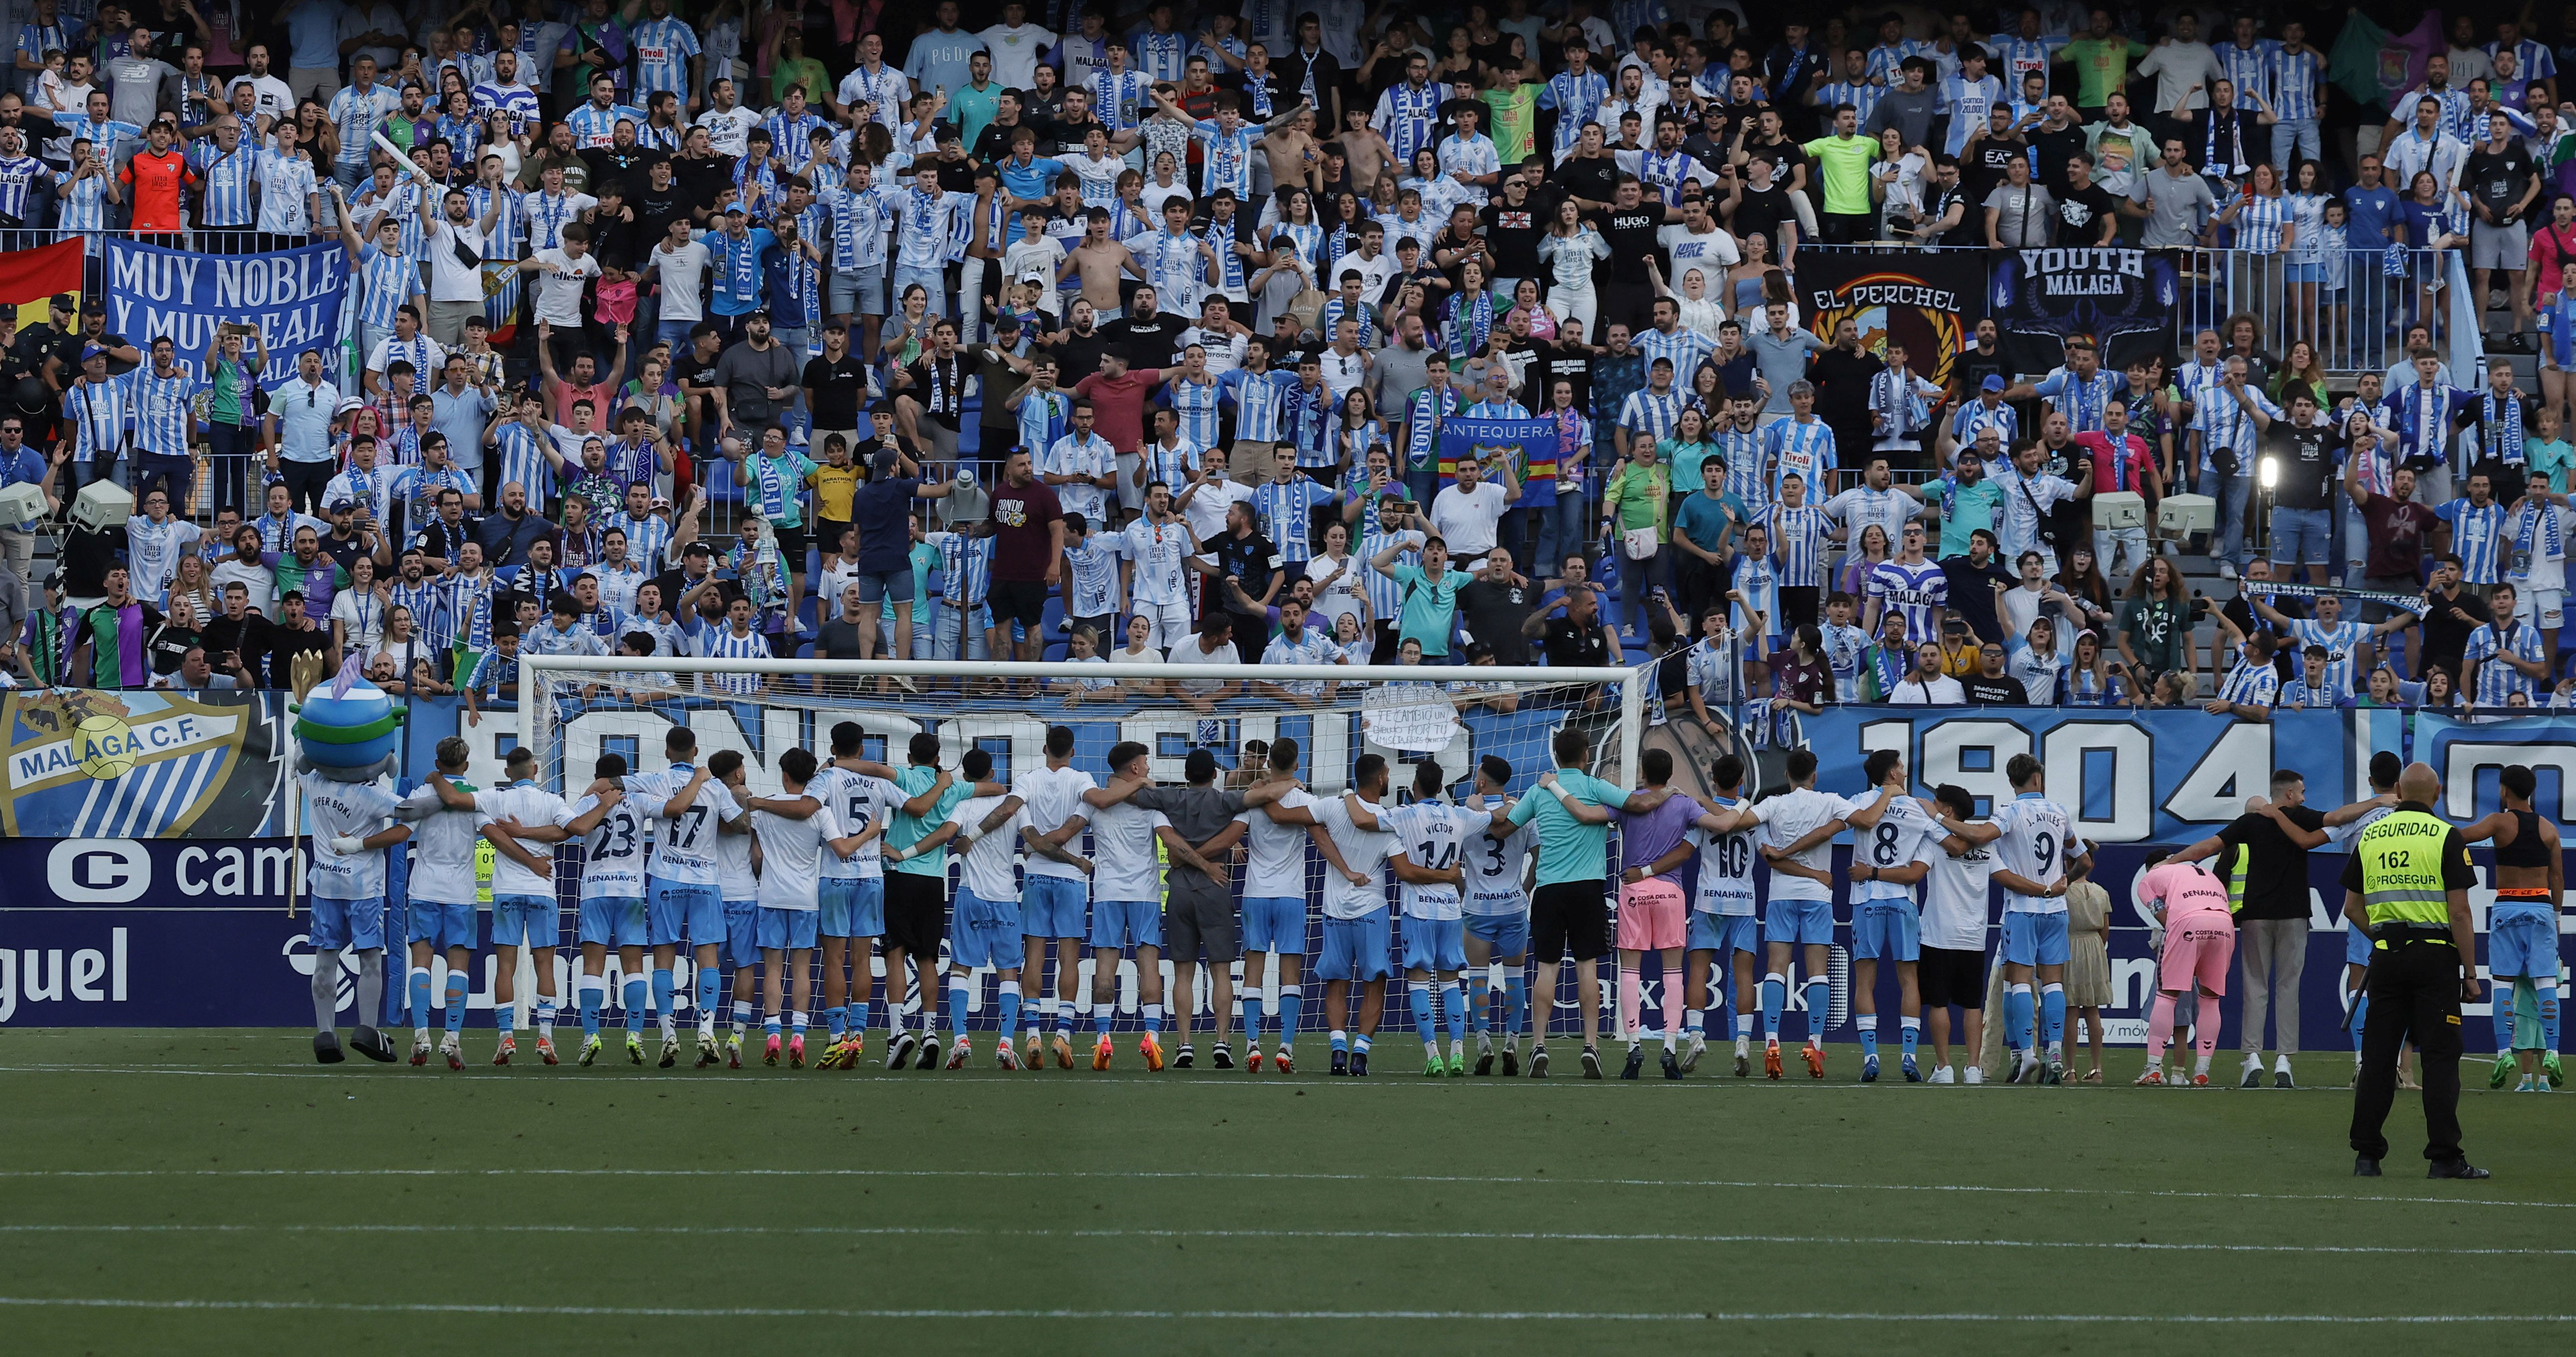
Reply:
x=575 y=709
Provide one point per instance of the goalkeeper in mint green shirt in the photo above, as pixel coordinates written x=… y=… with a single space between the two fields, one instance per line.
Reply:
x=1568 y=916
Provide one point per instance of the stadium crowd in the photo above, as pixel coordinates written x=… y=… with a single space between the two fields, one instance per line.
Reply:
x=1102 y=334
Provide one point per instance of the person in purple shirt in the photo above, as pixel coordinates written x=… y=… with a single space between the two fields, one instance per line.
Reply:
x=1654 y=910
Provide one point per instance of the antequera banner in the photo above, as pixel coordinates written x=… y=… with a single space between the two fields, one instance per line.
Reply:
x=293 y=296
x=1528 y=446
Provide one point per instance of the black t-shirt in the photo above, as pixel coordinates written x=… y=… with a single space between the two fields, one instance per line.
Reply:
x=247 y=638
x=169 y=644
x=1759 y=212
x=1593 y=178
x=1494 y=611
x=609 y=164
x=837 y=388
x=1842 y=394
x=2306 y=457
x=1146 y=343
x=1076 y=352
x=2446 y=636
x=1784 y=156
x=1572 y=366
x=656 y=209
x=1983 y=168
x=2002 y=691
x=286 y=643
x=2081 y=212
x=1630 y=233
x=1513 y=234
x=687 y=369
x=1974 y=367
x=1578 y=647
x=2276 y=870
x=2054 y=149
x=701 y=180
x=2498 y=179
x=1972 y=592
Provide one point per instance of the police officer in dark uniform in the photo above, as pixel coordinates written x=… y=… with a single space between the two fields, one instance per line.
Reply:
x=2407 y=882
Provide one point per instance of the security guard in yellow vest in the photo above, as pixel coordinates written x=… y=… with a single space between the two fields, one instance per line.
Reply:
x=2408 y=881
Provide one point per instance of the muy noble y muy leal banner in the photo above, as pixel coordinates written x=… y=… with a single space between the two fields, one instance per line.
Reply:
x=293 y=296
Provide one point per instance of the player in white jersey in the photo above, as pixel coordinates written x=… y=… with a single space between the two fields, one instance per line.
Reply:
x=1126 y=895
x=1802 y=908
x=851 y=915
x=984 y=929
x=1357 y=930
x=1498 y=918
x=1431 y=841
x=442 y=891
x=350 y=825
x=795 y=832
x=1054 y=894
x=2034 y=839
x=525 y=911
x=1894 y=843
x=1952 y=971
x=1722 y=936
x=683 y=899
x=739 y=888
x=1274 y=905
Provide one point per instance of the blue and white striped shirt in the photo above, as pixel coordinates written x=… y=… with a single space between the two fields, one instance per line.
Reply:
x=2249 y=69
x=1748 y=475
x=1651 y=413
x=723 y=643
x=594 y=128
x=1577 y=100
x=2295 y=76
x=523 y=460
x=387 y=281
x=1285 y=510
x=519 y=101
x=2259 y=222
x=2476 y=535
x=1195 y=403
x=1328 y=321
x=1798 y=536
x=965 y=567
x=1259 y=400
x=163 y=413
x=17 y=174
x=1385 y=596
x=662 y=50
x=225 y=178
x=2340 y=641
x=647 y=540
x=859 y=222
x=1862 y=97
x=927 y=228
x=1804 y=448
x=1684 y=346
x=1409 y=119
x=2498 y=681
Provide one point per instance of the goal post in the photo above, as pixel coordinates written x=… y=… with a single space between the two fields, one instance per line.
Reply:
x=574 y=708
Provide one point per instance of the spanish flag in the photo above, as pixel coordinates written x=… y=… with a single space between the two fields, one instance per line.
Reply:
x=28 y=278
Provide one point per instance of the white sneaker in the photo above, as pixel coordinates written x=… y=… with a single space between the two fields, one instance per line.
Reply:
x=1976 y=1075
x=2226 y=570
x=1942 y=1075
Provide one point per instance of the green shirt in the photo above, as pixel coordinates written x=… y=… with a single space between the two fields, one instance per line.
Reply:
x=1429 y=606
x=1682 y=460
x=906 y=830
x=973 y=110
x=1844 y=163
x=1515 y=123
x=2156 y=628
x=2101 y=66
x=1568 y=849
x=925 y=558
x=2552 y=458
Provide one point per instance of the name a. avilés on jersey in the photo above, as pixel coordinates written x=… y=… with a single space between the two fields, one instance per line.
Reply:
x=2083 y=273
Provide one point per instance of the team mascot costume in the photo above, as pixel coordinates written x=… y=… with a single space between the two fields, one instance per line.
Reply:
x=345 y=735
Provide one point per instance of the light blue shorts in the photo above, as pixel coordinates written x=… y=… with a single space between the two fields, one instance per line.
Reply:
x=1886 y=929
x=741 y=934
x=2034 y=939
x=1120 y=924
x=1274 y=923
x=1052 y=906
x=358 y=924
x=1799 y=922
x=852 y=907
x=787 y=929
x=2522 y=941
x=1356 y=949
x=1723 y=933
x=1435 y=944
x=984 y=933
x=684 y=908
x=612 y=921
x=2356 y=945
x=442 y=924
x=526 y=921
x=1507 y=934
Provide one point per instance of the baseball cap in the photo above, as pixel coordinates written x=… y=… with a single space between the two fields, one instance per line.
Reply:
x=93 y=351
x=883 y=463
x=1993 y=382
x=343 y=502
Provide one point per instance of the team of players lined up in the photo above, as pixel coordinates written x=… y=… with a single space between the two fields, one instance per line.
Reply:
x=851 y=856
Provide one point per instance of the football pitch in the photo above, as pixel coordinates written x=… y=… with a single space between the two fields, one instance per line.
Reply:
x=217 y=1192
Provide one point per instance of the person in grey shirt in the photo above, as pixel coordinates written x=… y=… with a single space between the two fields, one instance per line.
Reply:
x=134 y=83
x=2019 y=212
x=2175 y=202
x=1401 y=367
x=1908 y=107
x=461 y=407
x=1780 y=357
x=1200 y=915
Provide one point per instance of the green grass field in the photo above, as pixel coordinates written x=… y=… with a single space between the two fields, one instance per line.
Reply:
x=217 y=1192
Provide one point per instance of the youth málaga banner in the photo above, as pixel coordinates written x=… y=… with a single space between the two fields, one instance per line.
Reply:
x=97 y=763
x=1929 y=301
x=293 y=296
x=1528 y=444
x=2125 y=301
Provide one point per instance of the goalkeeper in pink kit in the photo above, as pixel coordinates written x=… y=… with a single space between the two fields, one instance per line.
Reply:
x=2200 y=939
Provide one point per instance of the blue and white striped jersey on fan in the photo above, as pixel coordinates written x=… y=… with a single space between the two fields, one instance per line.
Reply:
x=2296 y=75
x=1804 y=448
x=647 y=539
x=2339 y=640
x=2251 y=684
x=1385 y=596
x=1196 y=406
x=1918 y=592
x=1976 y=415
x=1798 y=538
x=2080 y=399
x=663 y=48
x=427 y=604
x=1577 y=100
x=469 y=607
x=723 y=643
x=2249 y=69
x=1160 y=56
x=387 y=280
x=1651 y=413
x=1045 y=416
x=1258 y=399
x=2476 y=534
x=1285 y=511
x=225 y=178
x=162 y=412
x=2498 y=681
x=519 y=101
x=523 y=461
x=926 y=227
x=1748 y=476
x=859 y=223
x=98 y=411
x=594 y=128
x=965 y=566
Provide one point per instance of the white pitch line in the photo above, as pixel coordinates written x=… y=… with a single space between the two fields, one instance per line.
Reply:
x=1146 y=1175
x=1469 y=1236
x=1441 y=1316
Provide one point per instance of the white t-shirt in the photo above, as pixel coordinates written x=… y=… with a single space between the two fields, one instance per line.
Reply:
x=452 y=279
x=985 y=868
x=442 y=848
x=333 y=809
x=729 y=130
x=612 y=865
x=1496 y=868
x=1160 y=553
x=791 y=857
x=1345 y=595
x=1954 y=900
x=1905 y=835
x=860 y=801
x=1123 y=863
x=1466 y=519
x=2038 y=838
x=1787 y=819
x=1275 y=854
x=559 y=286
x=536 y=808
x=1940 y=692
x=1205 y=513
x=1433 y=835
x=1048 y=798
x=1363 y=851
x=684 y=280
x=1726 y=864
x=684 y=846
x=361 y=616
